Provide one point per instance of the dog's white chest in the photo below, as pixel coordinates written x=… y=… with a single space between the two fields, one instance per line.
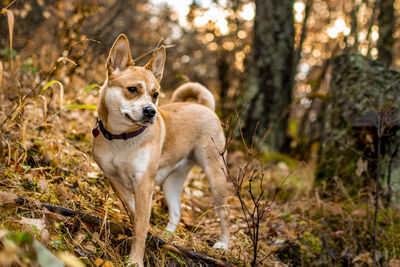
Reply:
x=121 y=162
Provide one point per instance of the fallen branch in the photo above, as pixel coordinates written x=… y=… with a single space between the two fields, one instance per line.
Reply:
x=97 y=222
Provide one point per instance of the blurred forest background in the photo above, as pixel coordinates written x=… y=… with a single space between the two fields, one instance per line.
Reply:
x=308 y=91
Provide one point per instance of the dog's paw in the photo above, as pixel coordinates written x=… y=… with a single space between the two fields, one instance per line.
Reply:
x=171 y=227
x=221 y=245
x=133 y=263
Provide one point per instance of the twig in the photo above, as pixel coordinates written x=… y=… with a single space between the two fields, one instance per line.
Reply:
x=152 y=51
x=97 y=222
x=257 y=209
x=7 y=6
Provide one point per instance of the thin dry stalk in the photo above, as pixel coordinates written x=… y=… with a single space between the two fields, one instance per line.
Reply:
x=255 y=211
x=10 y=20
x=152 y=51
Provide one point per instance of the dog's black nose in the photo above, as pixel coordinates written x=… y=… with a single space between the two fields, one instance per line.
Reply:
x=149 y=112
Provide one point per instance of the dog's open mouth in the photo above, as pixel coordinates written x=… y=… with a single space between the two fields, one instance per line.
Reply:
x=146 y=121
x=129 y=118
x=142 y=122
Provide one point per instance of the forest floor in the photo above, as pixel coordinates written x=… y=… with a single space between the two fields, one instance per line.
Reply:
x=46 y=157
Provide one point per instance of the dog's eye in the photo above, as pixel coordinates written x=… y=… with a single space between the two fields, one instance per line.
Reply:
x=155 y=95
x=132 y=89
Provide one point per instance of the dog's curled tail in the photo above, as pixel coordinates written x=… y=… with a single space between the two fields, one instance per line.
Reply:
x=195 y=91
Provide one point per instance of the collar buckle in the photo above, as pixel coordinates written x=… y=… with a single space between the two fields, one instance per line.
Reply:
x=108 y=136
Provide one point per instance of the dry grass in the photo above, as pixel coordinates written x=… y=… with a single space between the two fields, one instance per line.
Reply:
x=45 y=154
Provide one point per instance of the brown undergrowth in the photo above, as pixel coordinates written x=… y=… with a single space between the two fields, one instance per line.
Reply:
x=45 y=155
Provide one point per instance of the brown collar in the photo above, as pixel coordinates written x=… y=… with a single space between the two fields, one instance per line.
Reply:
x=109 y=136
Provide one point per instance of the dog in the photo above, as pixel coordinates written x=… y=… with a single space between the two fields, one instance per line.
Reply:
x=139 y=145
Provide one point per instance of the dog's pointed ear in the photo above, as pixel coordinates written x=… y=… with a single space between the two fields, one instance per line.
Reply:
x=156 y=63
x=120 y=55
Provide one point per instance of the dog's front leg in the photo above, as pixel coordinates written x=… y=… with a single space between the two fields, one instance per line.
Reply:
x=126 y=197
x=143 y=195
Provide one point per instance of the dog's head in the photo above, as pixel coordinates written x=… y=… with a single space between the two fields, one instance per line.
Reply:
x=129 y=97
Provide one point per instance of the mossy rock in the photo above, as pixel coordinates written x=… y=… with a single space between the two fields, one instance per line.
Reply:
x=358 y=87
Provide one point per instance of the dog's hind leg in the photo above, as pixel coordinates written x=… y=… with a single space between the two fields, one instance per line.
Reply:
x=211 y=161
x=172 y=188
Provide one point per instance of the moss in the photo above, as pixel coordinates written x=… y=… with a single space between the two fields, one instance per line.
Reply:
x=293 y=129
x=310 y=248
x=355 y=89
x=313 y=242
x=277 y=157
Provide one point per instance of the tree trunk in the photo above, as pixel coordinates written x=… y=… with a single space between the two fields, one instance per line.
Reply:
x=386 y=21
x=273 y=51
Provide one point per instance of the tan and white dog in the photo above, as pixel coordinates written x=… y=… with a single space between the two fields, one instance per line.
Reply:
x=139 y=145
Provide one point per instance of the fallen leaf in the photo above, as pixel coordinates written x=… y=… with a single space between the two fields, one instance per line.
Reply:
x=394 y=263
x=364 y=257
x=108 y=264
x=40 y=224
x=42 y=184
x=79 y=238
x=89 y=246
x=70 y=260
x=359 y=213
x=63 y=194
x=93 y=174
x=7 y=198
x=336 y=210
x=98 y=262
